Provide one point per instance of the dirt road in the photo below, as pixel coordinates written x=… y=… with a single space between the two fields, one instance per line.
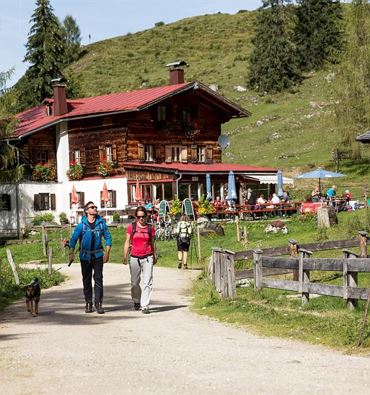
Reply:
x=170 y=351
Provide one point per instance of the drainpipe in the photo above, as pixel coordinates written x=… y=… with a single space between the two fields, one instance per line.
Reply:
x=177 y=183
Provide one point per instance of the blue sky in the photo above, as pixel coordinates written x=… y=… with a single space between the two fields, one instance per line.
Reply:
x=101 y=19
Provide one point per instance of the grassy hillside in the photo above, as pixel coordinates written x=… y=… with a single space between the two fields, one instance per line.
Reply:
x=294 y=131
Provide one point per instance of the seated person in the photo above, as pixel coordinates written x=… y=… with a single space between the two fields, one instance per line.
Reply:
x=316 y=195
x=331 y=192
x=285 y=197
x=261 y=200
x=275 y=199
x=218 y=203
x=347 y=196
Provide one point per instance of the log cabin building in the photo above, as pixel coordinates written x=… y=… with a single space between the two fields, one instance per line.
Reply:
x=162 y=140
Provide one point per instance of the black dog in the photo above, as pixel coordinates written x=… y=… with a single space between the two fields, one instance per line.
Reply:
x=33 y=292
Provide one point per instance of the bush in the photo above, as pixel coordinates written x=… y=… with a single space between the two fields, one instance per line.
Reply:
x=116 y=217
x=75 y=171
x=38 y=219
x=44 y=172
x=63 y=218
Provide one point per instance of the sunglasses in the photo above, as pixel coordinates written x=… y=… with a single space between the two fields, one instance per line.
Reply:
x=94 y=207
x=140 y=216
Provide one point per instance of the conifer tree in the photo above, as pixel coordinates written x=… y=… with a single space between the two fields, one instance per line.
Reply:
x=353 y=82
x=45 y=52
x=319 y=32
x=273 y=62
x=72 y=38
x=10 y=171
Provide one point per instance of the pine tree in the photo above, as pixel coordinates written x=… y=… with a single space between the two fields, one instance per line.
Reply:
x=10 y=171
x=273 y=62
x=319 y=32
x=46 y=53
x=353 y=82
x=72 y=38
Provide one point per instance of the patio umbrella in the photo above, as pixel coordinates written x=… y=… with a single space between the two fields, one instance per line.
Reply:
x=231 y=187
x=138 y=195
x=105 y=197
x=74 y=196
x=320 y=174
x=208 y=187
x=280 y=183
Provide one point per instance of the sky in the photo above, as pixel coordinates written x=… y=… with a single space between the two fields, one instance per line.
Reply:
x=101 y=19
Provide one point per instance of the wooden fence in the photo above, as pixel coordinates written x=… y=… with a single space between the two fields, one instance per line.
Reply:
x=223 y=275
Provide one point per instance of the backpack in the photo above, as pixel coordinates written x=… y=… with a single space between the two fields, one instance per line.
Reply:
x=149 y=231
x=86 y=228
x=184 y=233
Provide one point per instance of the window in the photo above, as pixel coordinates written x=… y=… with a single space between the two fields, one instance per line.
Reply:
x=81 y=200
x=161 y=113
x=148 y=153
x=175 y=153
x=187 y=114
x=77 y=156
x=44 y=201
x=108 y=153
x=41 y=156
x=5 y=202
x=201 y=154
x=111 y=203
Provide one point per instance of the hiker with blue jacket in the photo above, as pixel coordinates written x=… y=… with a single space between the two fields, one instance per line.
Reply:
x=90 y=232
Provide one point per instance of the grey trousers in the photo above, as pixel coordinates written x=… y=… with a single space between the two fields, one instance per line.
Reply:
x=142 y=266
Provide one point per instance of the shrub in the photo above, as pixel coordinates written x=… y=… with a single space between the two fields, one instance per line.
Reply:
x=175 y=209
x=63 y=218
x=75 y=171
x=38 y=219
x=205 y=207
x=116 y=217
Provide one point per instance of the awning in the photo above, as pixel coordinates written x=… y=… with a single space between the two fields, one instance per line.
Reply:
x=271 y=179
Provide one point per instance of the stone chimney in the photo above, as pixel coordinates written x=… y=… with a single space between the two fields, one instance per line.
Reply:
x=177 y=72
x=60 y=106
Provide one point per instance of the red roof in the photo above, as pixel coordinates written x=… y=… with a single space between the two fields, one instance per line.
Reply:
x=36 y=118
x=200 y=167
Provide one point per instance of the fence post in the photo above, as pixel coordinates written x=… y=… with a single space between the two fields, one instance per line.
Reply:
x=304 y=275
x=257 y=269
x=349 y=279
x=293 y=251
x=50 y=263
x=198 y=240
x=12 y=265
x=237 y=228
x=44 y=241
x=217 y=270
x=230 y=271
x=363 y=244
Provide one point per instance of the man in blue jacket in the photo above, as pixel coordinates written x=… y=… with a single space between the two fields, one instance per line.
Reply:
x=89 y=232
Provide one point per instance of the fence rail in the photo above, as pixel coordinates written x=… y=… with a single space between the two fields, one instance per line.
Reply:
x=223 y=273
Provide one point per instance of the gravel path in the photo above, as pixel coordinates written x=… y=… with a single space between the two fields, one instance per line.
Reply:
x=170 y=351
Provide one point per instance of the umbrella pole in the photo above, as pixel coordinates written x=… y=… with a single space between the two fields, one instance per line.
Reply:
x=320 y=185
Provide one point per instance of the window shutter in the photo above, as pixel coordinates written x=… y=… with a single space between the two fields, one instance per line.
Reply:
x=168 y=154
x=194 y=153
x=83 y=156
x=114 y=152
x=101 y=199
x=157 y=153
x=184 y=153
x=81 y=200
x=70 y=200
x=140 y=152
x=52 y=201
x=102 y=153
x=114 y=199
x=71 y=156
x=36 y=202
x=209 y=154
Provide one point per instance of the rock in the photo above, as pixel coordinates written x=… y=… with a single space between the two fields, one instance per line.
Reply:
x=240 y=88
x=214 y=87
x=212 y=228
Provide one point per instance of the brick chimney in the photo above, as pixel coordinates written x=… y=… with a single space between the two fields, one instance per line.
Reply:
x=177 y=72
x=60 y=98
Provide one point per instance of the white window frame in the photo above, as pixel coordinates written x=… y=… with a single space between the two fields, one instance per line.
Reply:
x=176 y=153
x=109 y=153
x=201 y=153
x=148 y=153
x=77 y=156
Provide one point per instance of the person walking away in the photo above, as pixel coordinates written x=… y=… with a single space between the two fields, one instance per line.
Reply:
x=90 y=232
x=183 y=231
x=140 y=237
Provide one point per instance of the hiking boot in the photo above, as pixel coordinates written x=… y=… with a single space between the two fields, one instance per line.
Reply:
x=179 y=265
x=136 y=306
x=185 y=267
x=145 y=310
x=89 y=308
x=99 y=309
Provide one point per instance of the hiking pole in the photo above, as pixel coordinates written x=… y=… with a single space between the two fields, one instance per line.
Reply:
x=60 y=268
x=361 y=336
